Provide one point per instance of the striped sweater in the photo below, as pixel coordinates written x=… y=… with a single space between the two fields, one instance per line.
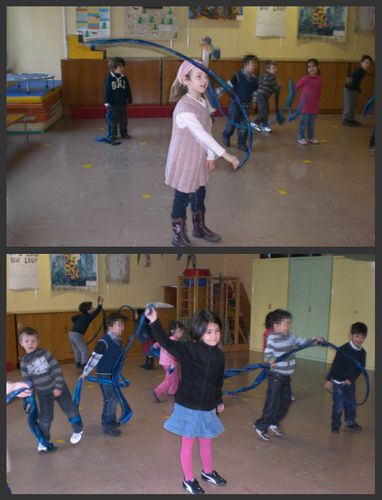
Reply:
x=277 y=345
x=43 y=370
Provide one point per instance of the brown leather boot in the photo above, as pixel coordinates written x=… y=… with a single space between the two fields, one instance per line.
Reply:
x=179 y=229
x=201 y=230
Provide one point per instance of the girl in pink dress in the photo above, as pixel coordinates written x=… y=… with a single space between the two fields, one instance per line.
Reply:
x=310 y=86
x=170 y=383
x=192 y=154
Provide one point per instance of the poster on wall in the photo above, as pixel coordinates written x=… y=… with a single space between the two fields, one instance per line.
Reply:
x=365 y=20
x=74 y=271
x=93 y=22
x=151 y=23
x=216 y=12
x=322 y=23
x=271 y=21
x=117 y=268
x=24 y=271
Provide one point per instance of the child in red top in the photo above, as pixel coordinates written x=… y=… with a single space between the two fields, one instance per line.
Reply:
x=310 y=86
x=170 y=383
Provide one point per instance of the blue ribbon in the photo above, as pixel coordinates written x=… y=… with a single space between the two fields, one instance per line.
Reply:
x=156 y=352
x=210 y=73
x=368 y=106
x=266 y=366
x=117 y=380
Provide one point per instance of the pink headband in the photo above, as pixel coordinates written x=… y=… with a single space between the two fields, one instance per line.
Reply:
x=184 y=69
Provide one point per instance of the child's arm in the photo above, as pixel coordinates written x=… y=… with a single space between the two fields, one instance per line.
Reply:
x=56 y=374
x=219 y=390
x=107 y=93
x=94 y=359
x=190 y=121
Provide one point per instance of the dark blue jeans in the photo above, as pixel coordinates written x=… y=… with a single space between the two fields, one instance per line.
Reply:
x=235 y=115
x=307 y=122
x=46 y=412
x=109 y=411
x=277 y=401
x=116 y=116
x=343 y=402
x=181 y=201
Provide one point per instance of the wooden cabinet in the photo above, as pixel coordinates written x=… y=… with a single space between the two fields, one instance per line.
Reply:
x=309 y=300
x=352 y=299
x=269 y=291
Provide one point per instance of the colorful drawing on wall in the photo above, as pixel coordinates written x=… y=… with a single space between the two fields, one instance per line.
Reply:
x=216 y=12
x=365 y=20
x=151 y=23
x=93 y=22
x=271 y=21
x=24 y=271
x=323 y=23
x=74 y=270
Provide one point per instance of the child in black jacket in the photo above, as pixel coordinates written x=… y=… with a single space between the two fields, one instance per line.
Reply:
x=198 y=400
x=117 y=95
x=343 y=375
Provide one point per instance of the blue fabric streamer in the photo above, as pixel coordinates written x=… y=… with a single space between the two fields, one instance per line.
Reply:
x=117 y=380
x=368 y=106
x=118 y=41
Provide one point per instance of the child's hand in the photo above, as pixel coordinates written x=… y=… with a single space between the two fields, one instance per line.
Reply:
x=204 y=44
x=347 y=382
x=82 y=376
x=151 y=314
x=220 y=408
x=231 y=159
x=273 y=364
x=57 y=392
x=20 y=385
x=319 y=340
x=100 y=300
x=328 y=385
x=211 y=165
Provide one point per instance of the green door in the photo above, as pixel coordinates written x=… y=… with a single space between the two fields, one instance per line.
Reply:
x=309 y=294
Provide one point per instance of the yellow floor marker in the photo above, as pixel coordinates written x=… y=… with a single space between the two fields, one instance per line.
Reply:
x=142 y=143
x=101 y=128
x=335 y=126
x=90 y=386
x=60 y=441
x=324 y=141
x=282 y=192
x=146 y=195
x=46 y=145
x=166 y=417
x=307 y=161
x=87 y=165
x=244 y=399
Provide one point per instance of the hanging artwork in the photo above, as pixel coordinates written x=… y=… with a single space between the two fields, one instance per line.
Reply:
x=93 y=22
x=271 y=21
x=24 y=271
x=322 y=23
x=216 y=12
x=365 y=20
x=74 y=270
x=151 y=23
x=117 y=268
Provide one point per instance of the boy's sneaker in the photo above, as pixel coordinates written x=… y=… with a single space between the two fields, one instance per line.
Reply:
x=266 y=129
x=263 y=434
x=292 y=398
x=304 y=142
x=41 y=448
x=214 y=478
x=313 y=141
x=76 y=437
x=192 y=487
x=335 y=430
x=354 y=426
x=275 y=430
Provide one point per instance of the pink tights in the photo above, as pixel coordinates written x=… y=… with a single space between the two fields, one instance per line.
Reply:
x=205 y=454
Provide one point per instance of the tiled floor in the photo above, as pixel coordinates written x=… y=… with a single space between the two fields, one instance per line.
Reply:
x=307 y=460
x=65 y=189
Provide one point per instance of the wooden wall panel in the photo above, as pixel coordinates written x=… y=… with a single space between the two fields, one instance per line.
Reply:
x=151 y=79
x=11 y=355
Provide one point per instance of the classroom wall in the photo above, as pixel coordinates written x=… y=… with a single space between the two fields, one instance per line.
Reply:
x=36 y=42
x=145 y=282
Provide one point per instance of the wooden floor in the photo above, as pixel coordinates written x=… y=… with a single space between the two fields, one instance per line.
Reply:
x=308 y=459
x=66 y=189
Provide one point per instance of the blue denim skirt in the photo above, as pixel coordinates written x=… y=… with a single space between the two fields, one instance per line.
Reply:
x=194 y=423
